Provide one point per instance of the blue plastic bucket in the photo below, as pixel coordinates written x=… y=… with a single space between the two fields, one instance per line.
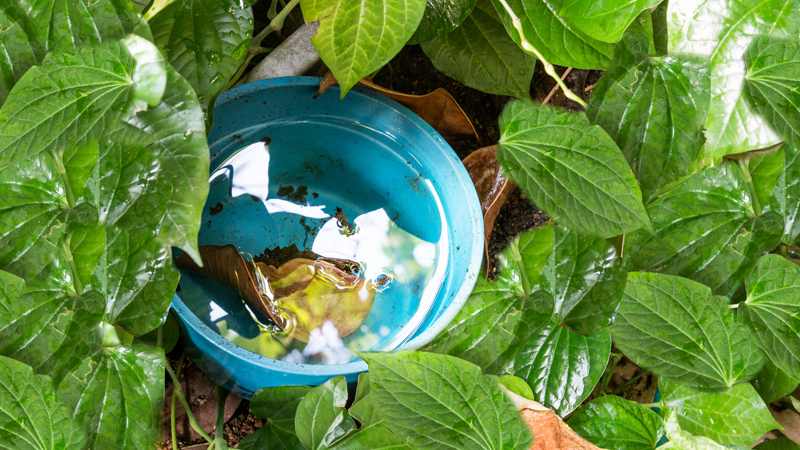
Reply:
x=364 y=135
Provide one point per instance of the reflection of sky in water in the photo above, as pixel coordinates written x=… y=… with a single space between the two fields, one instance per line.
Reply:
x=380 y=246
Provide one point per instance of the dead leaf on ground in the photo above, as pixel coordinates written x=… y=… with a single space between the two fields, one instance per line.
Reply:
x=438 y=108
x=301 y=294
x=549 y=431
x=789 y=420
x=202 y=398
x=492 y=187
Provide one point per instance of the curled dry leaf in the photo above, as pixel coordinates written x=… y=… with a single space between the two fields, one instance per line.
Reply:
x=438 y=108
x=493 y=188
x=549 y=431
x=299 y=296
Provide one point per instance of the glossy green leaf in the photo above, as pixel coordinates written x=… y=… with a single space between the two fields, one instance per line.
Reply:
x=150 y=73
x=480 y=54
x=364 y=408
x=440 y=402
x=680 y=439
x=524 y=259
x=679 y=329
x=772 y=308
x=654 y=109
x=772 y=81
x=781 y=443
x=517 y=385
x=734 y=416
x=722 y=30
x=765 y=169
x=561 y=366
x=550 y=34
x=357 y=38
x=613 y=422
x=31 y=415
x=372 y=437
x=269 y=402
x=165 y=336
x=43 y=327
x=441 y=17
x=571 y=169
x=64 y=25
x=21 y=46
x=117 y=394
x=205 y=40
x=586 y=277
x=772 y=383
x=486 y=325
x=321 y=419
x=706 y=230
x=604 y=20
x=660 y=31
x=68 y=100
x=784 y=196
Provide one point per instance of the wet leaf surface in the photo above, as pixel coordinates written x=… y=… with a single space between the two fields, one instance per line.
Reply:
x=679 y=329
x=438 y=108
x=613 y=422
x=441 y=17
x=481 y=54
x=492 y=187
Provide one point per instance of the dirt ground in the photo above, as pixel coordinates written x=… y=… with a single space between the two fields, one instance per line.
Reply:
x=409 y=72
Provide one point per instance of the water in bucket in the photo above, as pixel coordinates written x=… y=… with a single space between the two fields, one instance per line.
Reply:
x=373 y=244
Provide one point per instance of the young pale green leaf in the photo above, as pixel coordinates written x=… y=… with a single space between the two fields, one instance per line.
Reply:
x=21 y=46
x=441 y=402
x=773 y=383
x=561 y=366
x=372 y=437
x=782 y=443
x=734 y=416
x=31 y=415
x=571 y=169
x=487 y=324
x=364 y=409
x=679 y=329
x=269 y=402
x=683 y=440
x=117 y=394
x=722 y=30
x=586 y=277
x=321 y=419
x=613 y=422
x=772 y=81
x=604 y=20
x=480 y=54
x=150 y=73
x=524 y=258
x=43 y=327
x=65 y=25
x=706 y=230
x=357 y=38
x=551 y=35
x=784 y=196
x=765 y=169
x=517 y=385
x=772 y=308
x=654 y=109
x=205 y=40
x=441 y=17
x=70 y=99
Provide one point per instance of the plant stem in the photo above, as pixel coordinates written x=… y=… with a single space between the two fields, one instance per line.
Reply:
x=614 y=361
x=172 y=406
x=273 y=10
x=653 y=405
x=749 y=180
x=219 y=439
x=76 y=280
x=630 y=382
x=192 y=420
x=147 y=7
x=531 y=49
x=275 y=25
x=734 y=306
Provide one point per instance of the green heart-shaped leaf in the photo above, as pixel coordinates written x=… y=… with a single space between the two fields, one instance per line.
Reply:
x=604 y=20
x=613 y=422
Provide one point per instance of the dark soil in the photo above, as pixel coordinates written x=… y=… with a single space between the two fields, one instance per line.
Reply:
x=412 y=72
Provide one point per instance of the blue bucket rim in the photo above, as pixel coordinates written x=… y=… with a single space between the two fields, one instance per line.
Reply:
x=459 y=296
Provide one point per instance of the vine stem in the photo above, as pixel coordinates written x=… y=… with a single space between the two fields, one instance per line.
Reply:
x=630 y=382
x=172 y=406
x=614 y=361
x=528 y=47
x=219 y=438
x=179 y=392
x=275 y=25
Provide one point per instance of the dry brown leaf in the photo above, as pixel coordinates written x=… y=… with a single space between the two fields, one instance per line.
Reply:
x=492 y=187
x=549 y=431
x=225 y=265
x=202 y=398
x=301 y=295
x=789 y=420
x=438 y=108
